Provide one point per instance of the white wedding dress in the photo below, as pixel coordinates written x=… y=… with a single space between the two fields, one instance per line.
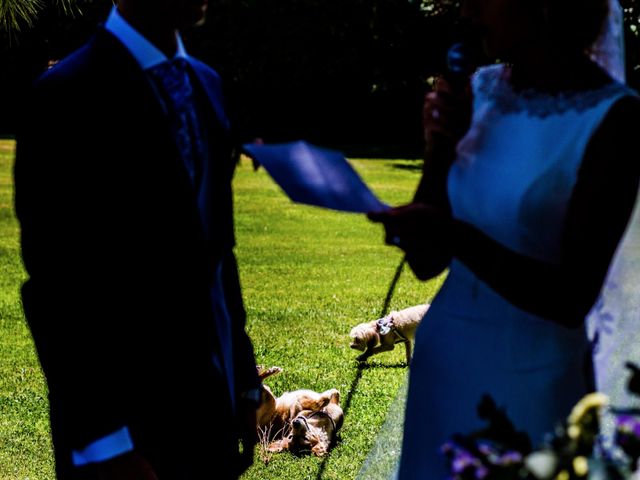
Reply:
x=512 y=180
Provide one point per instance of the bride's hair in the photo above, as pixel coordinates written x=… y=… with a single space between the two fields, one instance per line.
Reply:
x=575 y=24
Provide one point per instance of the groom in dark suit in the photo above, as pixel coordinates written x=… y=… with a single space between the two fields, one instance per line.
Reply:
x=123 y=192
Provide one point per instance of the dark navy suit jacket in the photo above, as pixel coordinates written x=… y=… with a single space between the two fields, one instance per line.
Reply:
x=120 y=262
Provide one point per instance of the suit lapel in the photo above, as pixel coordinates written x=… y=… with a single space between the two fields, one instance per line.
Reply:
x=215 y=194
x=138 y=92
x=211 y=85
x=123 y=71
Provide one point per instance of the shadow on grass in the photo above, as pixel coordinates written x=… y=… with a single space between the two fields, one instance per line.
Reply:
x=409 y=152
x=362 y=366
x=412 y=167
x=347 y=405
x=384 y=366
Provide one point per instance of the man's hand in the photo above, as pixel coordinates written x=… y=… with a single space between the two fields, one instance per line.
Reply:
x=247 y=426
x=129 y=466
x=423 y=232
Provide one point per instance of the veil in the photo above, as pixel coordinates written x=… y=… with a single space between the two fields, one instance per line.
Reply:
x=613 y=322
x=609 y=50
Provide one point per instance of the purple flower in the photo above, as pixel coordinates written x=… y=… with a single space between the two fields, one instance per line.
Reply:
x=463 y=460
x=463 y=463
x=448 y=448
x=628 y=425
x=487 y=449
x=481 y=472
x=510 y=457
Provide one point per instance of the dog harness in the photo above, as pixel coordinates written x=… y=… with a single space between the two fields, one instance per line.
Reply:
x=385 y=326
x=325 y=414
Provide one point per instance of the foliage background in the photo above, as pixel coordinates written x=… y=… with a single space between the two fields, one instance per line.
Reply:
x=332 y=71
x=346 y=73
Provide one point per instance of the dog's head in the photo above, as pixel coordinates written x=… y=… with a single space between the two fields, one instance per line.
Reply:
x=362 y=335
x=310 y=432
x=313 y=430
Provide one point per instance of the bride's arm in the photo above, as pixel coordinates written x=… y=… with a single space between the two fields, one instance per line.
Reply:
x=446 y=116
x=598 y=213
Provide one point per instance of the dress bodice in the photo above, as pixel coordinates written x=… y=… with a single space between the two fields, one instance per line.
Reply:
x=517 y=191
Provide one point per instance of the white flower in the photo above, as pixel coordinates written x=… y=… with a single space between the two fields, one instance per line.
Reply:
x=542 y=464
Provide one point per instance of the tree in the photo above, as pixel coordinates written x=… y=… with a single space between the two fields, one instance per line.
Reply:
x=16 y=14
x=28 y=43
x=332 y=71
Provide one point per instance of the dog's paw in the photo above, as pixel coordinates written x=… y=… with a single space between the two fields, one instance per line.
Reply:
x=262 y=373
x=334 y=396
x=362 y=358
x=278 y=445
x=320 y=450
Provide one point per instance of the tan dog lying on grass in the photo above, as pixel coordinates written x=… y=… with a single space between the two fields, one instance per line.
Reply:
x=274 y=415
x=313 y=430
x=382 y=335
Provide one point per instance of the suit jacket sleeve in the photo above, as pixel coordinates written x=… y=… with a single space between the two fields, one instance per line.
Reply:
x=70 y=306
x=244 y=359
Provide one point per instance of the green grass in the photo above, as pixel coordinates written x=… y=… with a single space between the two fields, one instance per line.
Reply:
x=308 y=276
x=25 y=447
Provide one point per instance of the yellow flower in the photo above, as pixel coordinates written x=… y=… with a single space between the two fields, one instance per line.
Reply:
x=589 y=402
x=581 y=466
x=574 y=432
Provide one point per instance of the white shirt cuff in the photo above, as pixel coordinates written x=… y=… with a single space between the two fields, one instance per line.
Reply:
x=104 y=448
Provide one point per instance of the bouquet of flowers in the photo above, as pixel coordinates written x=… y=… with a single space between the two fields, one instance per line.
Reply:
x=574 y=451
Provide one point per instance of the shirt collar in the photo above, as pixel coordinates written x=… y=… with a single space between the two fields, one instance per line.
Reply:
x=146 y=53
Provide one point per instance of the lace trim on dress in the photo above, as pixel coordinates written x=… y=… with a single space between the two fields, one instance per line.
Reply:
x=493 y=84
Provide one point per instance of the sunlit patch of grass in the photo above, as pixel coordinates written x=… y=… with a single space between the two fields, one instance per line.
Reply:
x=308 y=276
x=25 y=445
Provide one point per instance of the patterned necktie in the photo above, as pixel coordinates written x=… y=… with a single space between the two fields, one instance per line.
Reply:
x=172 y=78
x=174 y=85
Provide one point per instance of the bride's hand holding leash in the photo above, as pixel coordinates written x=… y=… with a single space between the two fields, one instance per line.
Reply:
x=423 y=232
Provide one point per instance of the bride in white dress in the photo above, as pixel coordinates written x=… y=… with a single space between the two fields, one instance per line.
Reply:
x=526 y=211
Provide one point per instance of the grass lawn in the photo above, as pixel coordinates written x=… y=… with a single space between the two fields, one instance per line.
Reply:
x=308 y=275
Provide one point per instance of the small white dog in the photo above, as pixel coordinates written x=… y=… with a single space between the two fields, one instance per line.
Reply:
x=381 y=335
